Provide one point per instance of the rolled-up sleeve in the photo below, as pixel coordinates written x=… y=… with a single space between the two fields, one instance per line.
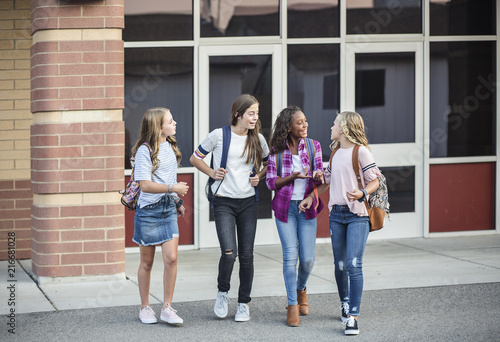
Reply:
x=271 y=174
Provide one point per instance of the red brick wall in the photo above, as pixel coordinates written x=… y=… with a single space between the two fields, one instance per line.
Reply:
x=77 y=138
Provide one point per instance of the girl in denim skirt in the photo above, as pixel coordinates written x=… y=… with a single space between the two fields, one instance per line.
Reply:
x=349 y=224
x=235 y=206
x=155 y=222
x=295 y=180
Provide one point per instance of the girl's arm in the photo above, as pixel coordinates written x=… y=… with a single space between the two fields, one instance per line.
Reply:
x=318 y=164
x=369 y=188
x=180 y=188
x=203 y=167
x=308 y=201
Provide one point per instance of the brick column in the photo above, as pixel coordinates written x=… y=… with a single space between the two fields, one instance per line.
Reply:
x=77 y=139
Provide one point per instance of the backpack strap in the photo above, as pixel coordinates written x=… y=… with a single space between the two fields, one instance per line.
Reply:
x=226 y=141
x=279 y=163
x=355 y=166
x=311 y=151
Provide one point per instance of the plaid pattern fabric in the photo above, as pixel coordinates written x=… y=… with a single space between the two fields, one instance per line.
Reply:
x=282 y=197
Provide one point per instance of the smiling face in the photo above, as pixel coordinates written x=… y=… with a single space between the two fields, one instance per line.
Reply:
x=336 y=131
x=299 y=126
x=168 y=126
x=249 y=119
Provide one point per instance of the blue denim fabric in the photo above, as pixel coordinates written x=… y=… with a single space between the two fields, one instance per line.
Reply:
x=349 y=233
x=298 y=242
x=156 y=223
x=236 y=220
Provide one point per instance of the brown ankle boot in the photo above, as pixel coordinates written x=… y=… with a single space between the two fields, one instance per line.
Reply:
x=292 y=315
x=303 y=303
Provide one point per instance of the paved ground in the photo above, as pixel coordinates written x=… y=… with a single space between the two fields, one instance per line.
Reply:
x=444 y=313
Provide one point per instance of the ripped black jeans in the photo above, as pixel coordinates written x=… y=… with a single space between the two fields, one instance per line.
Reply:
x=236 y=223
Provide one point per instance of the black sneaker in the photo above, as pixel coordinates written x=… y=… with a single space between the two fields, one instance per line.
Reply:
x=351 y=327
x=344 y=311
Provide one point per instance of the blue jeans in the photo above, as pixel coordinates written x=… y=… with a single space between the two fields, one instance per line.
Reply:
x=298 y=242
x=349 y=233
x=236 y=219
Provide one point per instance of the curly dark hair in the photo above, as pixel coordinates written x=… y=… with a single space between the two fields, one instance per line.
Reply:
x=281 y=128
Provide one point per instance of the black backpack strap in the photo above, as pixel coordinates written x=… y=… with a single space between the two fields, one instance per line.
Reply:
x=311 y=151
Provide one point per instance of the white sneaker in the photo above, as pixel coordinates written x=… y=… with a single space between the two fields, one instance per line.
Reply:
x=221 y=302
x=169 y=315
x=243 y=313
x=147 y=315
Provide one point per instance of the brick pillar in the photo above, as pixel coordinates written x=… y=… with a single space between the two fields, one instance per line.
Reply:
x=77 y=139
x=15 y=121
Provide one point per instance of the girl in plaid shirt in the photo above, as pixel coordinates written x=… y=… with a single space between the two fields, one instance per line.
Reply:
x=295 y=180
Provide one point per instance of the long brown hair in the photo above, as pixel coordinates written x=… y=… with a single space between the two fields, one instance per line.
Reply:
x=281 y=129
x=253 y=147
x=150 y=133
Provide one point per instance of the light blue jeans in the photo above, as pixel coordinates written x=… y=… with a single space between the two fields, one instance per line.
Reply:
x=349 y=233
x=298 y=242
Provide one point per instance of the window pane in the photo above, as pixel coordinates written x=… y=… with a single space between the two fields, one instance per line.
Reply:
x=313 y=18
x=313 y=85
x=159 y=77
x=385 y=96
x=150 y=20
x=462 y=99
x=384 y=17
x=231 y=76
x=401 y=187
x=239 y=18
x=463 y=17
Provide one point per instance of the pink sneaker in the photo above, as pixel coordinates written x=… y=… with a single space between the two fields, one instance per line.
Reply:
x=147 y=315
x=168 y=314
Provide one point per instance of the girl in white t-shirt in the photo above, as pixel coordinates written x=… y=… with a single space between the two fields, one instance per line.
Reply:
x=235 y=206
x=155 y=221
x=349 y=225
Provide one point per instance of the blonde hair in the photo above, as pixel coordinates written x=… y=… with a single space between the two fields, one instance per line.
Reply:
x=150 y=133
x=353 y=127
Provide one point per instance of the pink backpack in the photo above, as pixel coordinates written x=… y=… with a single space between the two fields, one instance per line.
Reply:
x=130 y=194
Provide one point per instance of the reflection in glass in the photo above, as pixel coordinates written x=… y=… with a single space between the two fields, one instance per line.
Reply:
x=384 y=16
x=159 y=77
x=462 y=17
x=313 y=18
x=313 y=85
x=221 y=18
x=401 y=186
x=158 y=20
x=231 y=76
x=462 y=99
x=385 y=96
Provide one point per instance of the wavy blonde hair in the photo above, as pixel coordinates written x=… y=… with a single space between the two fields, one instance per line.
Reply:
x=150 y=133
x=353 y=127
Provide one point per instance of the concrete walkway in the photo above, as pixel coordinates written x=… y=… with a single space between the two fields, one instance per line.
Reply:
x=415 y=273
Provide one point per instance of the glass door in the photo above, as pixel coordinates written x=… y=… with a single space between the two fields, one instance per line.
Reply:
x=226 y=72
x=384 y=84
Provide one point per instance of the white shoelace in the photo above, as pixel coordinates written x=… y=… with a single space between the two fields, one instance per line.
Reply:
x=345 y=308
x=349 y=322
x=167 y=306
x=223 y=299
x=243 y=309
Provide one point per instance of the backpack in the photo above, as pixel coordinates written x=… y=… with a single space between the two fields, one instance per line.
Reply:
x=130 y=194
x=226 y=141
x=378 y=204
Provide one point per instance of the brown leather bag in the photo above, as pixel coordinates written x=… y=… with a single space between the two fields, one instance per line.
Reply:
x=375 y=215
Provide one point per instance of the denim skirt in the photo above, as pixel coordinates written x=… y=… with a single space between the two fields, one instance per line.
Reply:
x=156 y=223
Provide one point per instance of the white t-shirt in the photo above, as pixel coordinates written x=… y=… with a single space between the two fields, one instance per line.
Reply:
x=299 y=185
x=236 y=182
x=165 y=174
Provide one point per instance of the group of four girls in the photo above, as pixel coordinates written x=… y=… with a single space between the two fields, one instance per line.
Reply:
x=293 y=169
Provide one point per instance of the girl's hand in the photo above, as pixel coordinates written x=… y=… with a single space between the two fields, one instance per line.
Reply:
x=181 y=188
x=297 y=174
x=305 y=204
x=219 y=173
x=181 y=210
x=354 y=195
x=318 y=176
x=254 y=180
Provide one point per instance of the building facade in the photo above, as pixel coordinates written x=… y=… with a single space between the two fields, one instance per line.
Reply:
x=77 y=77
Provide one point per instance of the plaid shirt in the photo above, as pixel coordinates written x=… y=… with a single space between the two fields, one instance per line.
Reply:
x=283 y=196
